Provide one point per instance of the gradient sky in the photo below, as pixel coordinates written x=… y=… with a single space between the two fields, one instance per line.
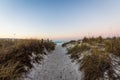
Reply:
x=59 y=19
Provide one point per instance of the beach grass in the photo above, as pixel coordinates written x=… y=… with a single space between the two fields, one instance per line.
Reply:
x=17 y=56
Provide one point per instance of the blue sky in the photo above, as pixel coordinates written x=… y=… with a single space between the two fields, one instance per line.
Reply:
x=59 y=19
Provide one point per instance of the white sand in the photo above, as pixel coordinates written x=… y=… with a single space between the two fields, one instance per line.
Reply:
x=56 y=66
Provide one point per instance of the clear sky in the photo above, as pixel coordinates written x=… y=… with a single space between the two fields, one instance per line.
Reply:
x=59 y=19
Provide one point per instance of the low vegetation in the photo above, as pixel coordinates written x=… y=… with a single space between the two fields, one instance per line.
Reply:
x=96 y=63
x=76 y=51
x=70 y=42
x=113 y=46
x=17 y=56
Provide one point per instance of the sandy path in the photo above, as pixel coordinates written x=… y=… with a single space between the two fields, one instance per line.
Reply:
x=56 y=66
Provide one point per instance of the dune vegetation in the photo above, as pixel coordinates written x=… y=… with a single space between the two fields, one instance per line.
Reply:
x=17 y=56
x=95 y=57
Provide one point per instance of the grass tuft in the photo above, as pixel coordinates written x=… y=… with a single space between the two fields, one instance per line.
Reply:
x=16 y=56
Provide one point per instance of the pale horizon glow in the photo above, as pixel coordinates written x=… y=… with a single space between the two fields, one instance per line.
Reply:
x=59 y=19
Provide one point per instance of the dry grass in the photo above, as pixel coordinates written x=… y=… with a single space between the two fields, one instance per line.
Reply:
x=93 y=40
x=95 y=65
x=97 y=62
x=76 y=51
x=70 y=42
x=16 y=56
x=113 y=46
